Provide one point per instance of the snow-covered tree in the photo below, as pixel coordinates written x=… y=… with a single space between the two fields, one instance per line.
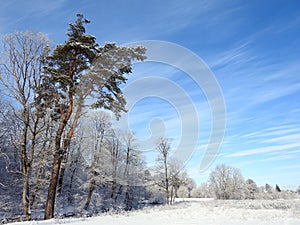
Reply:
x=175 y=177
x=76 y=70
x=97 y=130
x=10 y=186
x=24 y=57
x=203 y=191
x=183 y=192
x=268 y=188
x=164 y=150
x=251 y=189
x=228 y=182
x=132 y=172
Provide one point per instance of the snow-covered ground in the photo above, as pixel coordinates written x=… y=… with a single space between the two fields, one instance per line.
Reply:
x=198 y=211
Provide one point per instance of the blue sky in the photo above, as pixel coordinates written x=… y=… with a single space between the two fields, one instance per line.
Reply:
x=251 y=47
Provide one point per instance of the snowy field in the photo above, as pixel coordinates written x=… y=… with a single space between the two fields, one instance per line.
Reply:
x=198 y=211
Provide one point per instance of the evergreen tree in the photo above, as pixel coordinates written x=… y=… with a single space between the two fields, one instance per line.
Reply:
x=277 y=188
x=251 y=189
x=77 y=69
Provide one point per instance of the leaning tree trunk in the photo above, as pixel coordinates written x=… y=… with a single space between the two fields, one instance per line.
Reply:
x=49 y=209
x=66 y=146
x=50 y=203
x=59 y=154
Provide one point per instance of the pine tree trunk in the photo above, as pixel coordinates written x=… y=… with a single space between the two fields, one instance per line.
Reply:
x=58 y=156
x=66 y=145
x=49 y=209
x=50 y=203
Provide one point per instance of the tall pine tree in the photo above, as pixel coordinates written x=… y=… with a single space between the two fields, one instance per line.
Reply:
x=76 y=70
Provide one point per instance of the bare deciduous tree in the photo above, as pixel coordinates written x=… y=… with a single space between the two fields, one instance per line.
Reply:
x=227 y=181
x=164 y=149
x=24 y=55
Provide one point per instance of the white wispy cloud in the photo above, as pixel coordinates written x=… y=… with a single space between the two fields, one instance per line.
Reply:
x=283 y=139
x=277 y=158
x=262 y=150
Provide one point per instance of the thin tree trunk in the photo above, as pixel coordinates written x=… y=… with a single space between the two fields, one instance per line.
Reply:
x=127 y=199
x=126 y=177
x=38 y=178
x=89 y=197
x=97 y=152
x=25 y=165
x=37 y=186
x=72 y=177
x=166 y=180
x=31 y=155
x=25 y=197
x=113 y=188
x=172 y=195
x=62 y=173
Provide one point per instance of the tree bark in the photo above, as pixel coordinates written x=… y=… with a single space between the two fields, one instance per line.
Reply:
x=62 y=173
x=25 y=197
x=89 y=197
x=50 y=203
x=166 y=179
x=66 y=145
x=25 y=163
x=49 y=209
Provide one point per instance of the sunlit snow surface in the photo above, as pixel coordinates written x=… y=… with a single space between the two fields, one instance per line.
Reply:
x=199 y=211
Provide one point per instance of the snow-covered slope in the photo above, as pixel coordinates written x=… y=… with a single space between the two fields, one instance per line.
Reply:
x=199 y=211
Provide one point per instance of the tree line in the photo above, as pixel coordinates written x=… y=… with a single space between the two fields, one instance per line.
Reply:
x=227 y=182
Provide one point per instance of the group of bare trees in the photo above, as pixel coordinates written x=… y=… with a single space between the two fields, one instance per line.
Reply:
x=227 y=182
x=171 y=176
